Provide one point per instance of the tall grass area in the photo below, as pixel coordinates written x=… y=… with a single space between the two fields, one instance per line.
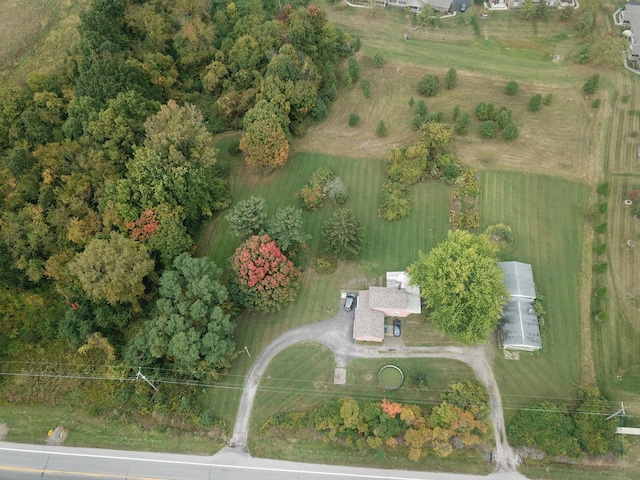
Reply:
x=30 y=424
x=546 y=216
x=390 y=246
x=34 y=36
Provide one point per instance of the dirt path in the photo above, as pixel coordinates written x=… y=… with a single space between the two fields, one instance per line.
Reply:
x=336 y=334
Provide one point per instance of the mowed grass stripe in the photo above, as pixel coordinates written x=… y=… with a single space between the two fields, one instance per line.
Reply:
x=545 y=214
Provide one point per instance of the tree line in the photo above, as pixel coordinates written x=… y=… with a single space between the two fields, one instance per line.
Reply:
x=109 y=167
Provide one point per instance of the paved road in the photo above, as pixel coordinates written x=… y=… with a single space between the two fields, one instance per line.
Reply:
x=336 y=334
x=30 y=462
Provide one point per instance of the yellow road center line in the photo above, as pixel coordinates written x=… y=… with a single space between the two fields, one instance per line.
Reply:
x=67 y=472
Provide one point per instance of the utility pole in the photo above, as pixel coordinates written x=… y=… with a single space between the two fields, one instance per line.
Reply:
x=621 y=411
x=246 y=349
x=140 y=375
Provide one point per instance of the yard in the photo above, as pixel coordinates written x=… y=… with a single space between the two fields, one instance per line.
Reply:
x=389 y=246
x=301 y=378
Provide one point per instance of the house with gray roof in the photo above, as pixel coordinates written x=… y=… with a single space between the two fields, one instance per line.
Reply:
x=440 y=6
x=630 y=19
x=397 y=299
x=519 y=326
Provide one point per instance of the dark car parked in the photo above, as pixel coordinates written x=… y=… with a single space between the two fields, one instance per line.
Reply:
x=350 y=302
x=396 y=327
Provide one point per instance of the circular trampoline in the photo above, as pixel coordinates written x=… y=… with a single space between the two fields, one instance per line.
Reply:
x=390 y=377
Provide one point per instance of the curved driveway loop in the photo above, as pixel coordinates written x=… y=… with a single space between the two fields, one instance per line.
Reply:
x=336 y=334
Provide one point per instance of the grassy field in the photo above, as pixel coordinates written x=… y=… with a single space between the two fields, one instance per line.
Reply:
x=30 y=424
x=301 y=378
x=35 y=34
x=542 y=134
x=546 y=215
x=615 y=341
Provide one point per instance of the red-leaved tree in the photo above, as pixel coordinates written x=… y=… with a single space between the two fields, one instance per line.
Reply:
x=264 y=279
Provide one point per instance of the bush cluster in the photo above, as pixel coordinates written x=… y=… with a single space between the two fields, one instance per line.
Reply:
x=313 y=193
x=460 y=421
x=463 y=203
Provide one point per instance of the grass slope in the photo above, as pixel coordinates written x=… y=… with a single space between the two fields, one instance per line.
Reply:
x=35 y=34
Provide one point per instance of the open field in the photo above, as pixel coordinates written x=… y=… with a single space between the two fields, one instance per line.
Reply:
x=542 y=134
x=545 y=214
x=34 y=35
x=525 y=56
x=616 y=340
x=301 y=378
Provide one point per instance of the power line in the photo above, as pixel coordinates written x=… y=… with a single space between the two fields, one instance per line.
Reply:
x=280 y=390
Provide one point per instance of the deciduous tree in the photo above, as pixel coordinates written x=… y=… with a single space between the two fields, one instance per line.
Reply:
x=247 y=217
x=462 y=285
x=112 y=270
x=191 y=330
x=265 y=144
x=263 y=278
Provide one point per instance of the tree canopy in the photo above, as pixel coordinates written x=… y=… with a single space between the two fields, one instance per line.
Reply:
x=462 y=285
x=262 y=277
x=190 y=331
x=343 y=234
x=112 y=269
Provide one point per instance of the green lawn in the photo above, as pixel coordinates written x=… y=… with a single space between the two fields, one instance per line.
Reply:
x=525 y=56
x=546 y=215
x=391 y=246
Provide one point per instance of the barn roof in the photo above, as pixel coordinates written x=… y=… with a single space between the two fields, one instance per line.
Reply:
x=519 y=326
x=518 y=278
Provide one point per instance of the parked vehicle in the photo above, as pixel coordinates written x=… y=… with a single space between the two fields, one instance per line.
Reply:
x=463 y=7
x=350 y=302
x=396 y=327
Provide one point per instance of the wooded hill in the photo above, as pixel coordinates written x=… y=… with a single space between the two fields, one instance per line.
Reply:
x=109 y=168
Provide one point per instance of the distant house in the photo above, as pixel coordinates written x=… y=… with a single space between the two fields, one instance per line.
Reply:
x=440 y=6
x=397 y=299
x=630 y=18
x=519 y=327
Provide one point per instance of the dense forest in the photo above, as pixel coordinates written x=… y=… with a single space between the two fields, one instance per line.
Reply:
x=109 y=169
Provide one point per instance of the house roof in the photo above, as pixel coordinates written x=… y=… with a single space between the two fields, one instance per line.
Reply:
x=518 y=278
x=631 y=14
x=368 y=324
x=439 y=4
x=402 y=280
x=387 y=298
x=519 y=325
